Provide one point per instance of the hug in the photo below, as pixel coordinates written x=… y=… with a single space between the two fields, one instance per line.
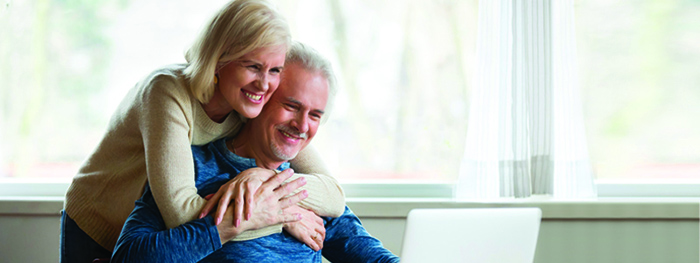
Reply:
x=194 y=165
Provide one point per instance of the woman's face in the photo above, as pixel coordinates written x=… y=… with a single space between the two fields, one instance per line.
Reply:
x=248 y=82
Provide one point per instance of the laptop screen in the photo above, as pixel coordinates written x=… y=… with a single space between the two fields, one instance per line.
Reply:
x=484 y=235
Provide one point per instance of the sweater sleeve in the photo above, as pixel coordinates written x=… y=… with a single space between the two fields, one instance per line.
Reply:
x=326 y=197
x=348 y=241
x=145 y=238
x=165 y=122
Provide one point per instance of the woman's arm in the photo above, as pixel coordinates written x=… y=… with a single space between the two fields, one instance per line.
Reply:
x=326 y=197
x=166 y=122
x=145 y=238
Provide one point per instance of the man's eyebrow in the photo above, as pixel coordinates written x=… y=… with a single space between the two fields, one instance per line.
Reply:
x=295 y=101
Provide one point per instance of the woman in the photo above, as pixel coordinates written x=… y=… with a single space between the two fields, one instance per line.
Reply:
x=232 y=70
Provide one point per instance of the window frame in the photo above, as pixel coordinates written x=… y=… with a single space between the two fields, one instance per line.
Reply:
x=27 y=189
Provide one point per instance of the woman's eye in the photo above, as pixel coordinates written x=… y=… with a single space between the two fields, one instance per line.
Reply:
x=254 y=67
x=275 y=70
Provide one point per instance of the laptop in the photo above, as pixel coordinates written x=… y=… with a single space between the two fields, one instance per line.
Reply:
x=474 y=235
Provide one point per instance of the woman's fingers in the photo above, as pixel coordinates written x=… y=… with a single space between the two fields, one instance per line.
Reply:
x=238 y=212
x=293 y=200
x=212 y=201
x=290 y=187
x=249 y=200
x=276 y=181
x=262 y=203
x=227 y=191
x=255 y=178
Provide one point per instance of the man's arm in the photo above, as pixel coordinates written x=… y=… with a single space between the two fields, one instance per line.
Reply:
x=145 y=238
x=348 y=241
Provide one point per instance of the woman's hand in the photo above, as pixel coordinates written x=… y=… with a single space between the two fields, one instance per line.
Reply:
x=309 y=230
x=241 y=189
x=270 y=207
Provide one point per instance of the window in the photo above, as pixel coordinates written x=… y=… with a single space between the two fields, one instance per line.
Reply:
x=404 y=71
x=65 y=67
x=403 y=68
x=641 y=88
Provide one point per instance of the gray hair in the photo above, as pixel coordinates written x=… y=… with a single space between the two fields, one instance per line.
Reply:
x=309 y=59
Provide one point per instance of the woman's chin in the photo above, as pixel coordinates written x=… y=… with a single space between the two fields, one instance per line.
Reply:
x=250 y=113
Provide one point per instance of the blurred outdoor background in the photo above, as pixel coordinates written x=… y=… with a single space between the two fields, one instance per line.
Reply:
x=404 y=69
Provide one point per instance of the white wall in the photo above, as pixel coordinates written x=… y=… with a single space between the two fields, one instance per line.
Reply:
x=29 y=238
x=29 y=231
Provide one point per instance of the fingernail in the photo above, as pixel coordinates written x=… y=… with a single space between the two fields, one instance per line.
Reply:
x=291 y=170
x=248 y=216
x=303 y=179
x=305 y=193
x=238 y=222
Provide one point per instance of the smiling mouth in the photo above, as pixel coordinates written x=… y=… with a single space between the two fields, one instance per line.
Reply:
x=293 y=136
x=253 y=97
x=289 y=135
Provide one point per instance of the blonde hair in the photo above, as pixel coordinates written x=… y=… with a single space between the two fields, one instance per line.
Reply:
x=237 y=29
x=309 y=59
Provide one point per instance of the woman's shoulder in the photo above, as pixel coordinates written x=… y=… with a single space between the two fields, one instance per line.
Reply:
x=170 y=75
x=172 y=71
x=166 y=82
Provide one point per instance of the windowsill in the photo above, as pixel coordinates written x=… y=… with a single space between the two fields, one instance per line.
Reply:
x=27 y=205
x=664 y=200
x=600 y=208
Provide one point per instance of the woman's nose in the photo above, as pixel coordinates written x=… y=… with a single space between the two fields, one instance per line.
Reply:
x=263 y=82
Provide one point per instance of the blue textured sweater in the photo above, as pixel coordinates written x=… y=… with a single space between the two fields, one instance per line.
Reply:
x=145 y=237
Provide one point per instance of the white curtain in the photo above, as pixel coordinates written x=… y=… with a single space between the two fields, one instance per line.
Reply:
x=526 y=134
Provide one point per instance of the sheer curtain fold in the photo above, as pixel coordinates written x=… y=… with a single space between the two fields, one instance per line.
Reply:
x=526 y=134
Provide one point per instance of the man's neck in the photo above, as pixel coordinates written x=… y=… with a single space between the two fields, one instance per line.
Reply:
x=241 y=146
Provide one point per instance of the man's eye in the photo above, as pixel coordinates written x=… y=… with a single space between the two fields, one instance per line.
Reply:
x=254 y=67
x=292 y=106
x=275 y=70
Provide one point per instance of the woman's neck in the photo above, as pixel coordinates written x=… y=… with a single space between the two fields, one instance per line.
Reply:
x=217 y=108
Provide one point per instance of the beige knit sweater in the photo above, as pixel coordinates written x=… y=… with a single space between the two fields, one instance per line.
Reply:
x=148 y=139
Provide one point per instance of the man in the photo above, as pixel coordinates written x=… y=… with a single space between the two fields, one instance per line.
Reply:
x=286 y=125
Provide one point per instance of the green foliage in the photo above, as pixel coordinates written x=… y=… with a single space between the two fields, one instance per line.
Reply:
x=54 y=53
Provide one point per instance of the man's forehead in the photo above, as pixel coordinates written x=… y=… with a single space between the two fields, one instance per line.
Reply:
x=298 y=83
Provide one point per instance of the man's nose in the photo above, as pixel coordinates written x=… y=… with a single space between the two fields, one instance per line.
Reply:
x=300 y=122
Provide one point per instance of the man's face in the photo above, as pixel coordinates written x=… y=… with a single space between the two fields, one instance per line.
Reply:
x=290 y=119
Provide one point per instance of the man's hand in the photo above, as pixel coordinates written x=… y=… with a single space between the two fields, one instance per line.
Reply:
x=269 y=207
x=241 y=189
x=309 y=230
